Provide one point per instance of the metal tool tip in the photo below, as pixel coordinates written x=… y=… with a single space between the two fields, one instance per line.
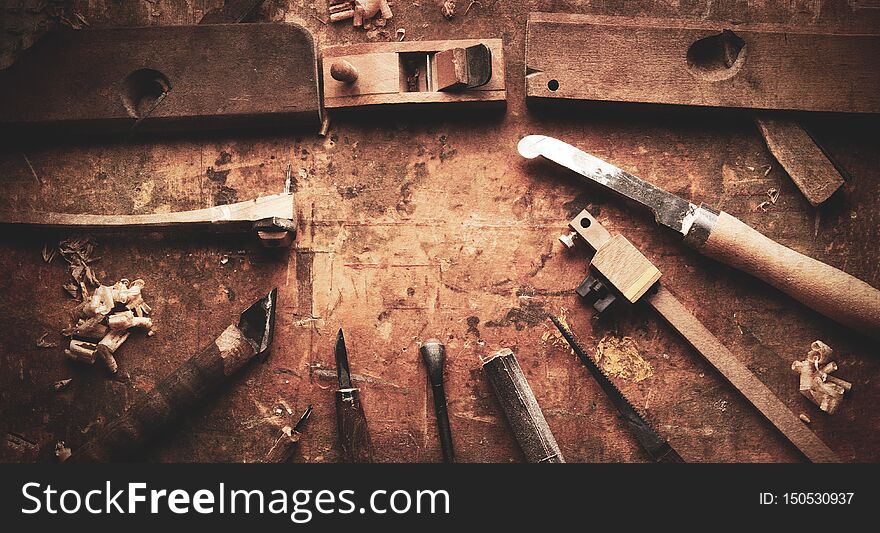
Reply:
x=434 y=354
x=302 y=419
x=528 y=146
x=257 y=322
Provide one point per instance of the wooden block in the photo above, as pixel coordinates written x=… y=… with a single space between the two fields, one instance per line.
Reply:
x=211 y=76
x=451 y=69
x=624 y=267
x=687 y=62
x=384 y=68
x=807 y=165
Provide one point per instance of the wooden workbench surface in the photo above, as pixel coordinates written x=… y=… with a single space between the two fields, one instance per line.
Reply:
x=419 y=225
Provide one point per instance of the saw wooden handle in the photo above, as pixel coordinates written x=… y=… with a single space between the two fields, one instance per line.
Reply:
x=832 y=292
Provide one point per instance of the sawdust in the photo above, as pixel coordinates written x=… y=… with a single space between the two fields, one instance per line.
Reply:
x=552 y=334
x=620 y=358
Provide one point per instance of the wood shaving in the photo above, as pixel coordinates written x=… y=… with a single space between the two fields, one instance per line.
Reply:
x=49 y=253
x=448 y=9
x=33 y=172
x=620 y=358
x=816 y=382
x=773 y=195
x=62 y=452
x=78 y=254
x=61 y=384
x=43 y=343
x=104 y=320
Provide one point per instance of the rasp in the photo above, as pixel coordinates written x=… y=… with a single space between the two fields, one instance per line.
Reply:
x=656 y=446
x=723 y=237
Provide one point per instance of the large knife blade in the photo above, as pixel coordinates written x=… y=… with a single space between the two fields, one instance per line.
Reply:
x=723 y=237
x=652 y=442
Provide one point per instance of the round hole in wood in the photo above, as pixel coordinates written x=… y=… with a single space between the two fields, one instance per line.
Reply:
x=585 y=222
x=142 y=90
x=553 y=85
x=717 y=57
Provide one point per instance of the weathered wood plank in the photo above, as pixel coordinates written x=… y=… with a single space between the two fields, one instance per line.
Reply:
x=168 y=78
x=686 y=62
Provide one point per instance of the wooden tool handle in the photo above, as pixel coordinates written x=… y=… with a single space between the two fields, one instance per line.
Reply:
x=830 y=291
x=354 y=438
x=521 y=408
x=172 y=397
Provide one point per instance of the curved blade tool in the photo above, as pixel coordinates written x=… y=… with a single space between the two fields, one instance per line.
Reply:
x=669 y=210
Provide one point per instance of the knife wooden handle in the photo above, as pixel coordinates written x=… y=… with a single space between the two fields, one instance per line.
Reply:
x=832 y=292
x=351 y=422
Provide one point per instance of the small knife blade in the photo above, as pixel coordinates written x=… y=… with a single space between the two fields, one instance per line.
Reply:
x=351 y=421
x=343 y=373
x=652 y=442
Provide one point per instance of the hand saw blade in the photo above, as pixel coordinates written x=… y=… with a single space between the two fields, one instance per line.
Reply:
x=653 y=443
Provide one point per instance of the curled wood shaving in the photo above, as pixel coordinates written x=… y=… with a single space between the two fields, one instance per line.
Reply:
x=773 y=195
x=61 y=384
x=448 y=9
x=49 y=253
x=816 y=382
x=43 y=343
x=62 y=452
x=106 y=317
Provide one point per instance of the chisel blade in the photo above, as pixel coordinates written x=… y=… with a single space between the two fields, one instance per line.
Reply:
x=257 y=322
x=653 y=443
x=669 y=210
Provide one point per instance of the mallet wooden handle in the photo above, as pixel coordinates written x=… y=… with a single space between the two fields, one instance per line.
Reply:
x=830 y=291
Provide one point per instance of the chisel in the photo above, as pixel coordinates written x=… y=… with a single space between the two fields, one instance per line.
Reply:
x=723 y=237
x=175 y=395
x=351 y=422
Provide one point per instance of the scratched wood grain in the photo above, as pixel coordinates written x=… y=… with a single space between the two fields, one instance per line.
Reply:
x=412 y=226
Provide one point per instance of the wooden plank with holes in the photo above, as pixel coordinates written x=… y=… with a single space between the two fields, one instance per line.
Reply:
x=396 y=73
x=686 y=62
x=164 y=78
